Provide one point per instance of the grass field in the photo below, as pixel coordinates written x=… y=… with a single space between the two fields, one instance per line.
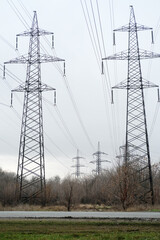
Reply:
x=79 y=207
x=76 y=229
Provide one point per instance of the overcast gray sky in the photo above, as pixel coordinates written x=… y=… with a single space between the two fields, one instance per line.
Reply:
x=84 y=114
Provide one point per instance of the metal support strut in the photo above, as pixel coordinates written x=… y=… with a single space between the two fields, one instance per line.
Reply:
x=31 y=183
x=137 y=152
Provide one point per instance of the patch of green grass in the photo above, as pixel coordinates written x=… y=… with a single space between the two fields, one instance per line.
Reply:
x=87 y=236
x=155 y=210
x=76 y=229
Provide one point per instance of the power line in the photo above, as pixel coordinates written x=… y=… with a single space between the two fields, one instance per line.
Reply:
x=154 y=119
x=9 y=44
x=77 y=112
x=65 y=126
x=56 y=158
x=51 y=140
x=106 y=83
x=68 y=135
x=25 y=9
x=13 y=76
x=157 y=105
x=19 y=117
x=95 y=24
x=7 y=143
x=19 y=15
x=70 y=94
x=91 y=33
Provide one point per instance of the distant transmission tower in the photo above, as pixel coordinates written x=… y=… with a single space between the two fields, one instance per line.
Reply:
x=99 y=160
x=31 y=162
x=77 y=166
x=121 y=155
x=136 y=143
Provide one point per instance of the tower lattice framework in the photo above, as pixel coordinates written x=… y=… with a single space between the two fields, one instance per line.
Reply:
x=99 y=160
x=137 y=152
x=31 y=162
x=77 y=165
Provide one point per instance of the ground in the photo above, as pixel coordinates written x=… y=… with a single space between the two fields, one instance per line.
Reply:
x=80 y=207
x=78 y=229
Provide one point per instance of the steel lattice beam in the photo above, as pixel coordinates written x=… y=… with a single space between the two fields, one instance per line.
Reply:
x=31 y=162
x=99 y=160
x=136 y=150
x=77 y=166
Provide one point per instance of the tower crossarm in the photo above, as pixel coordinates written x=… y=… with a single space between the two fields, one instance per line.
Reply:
x=138 y=27
x=98 y=160
x=42 y=87
x=101 y=160
x=43 y=58
x=123 y=55
x=79 y=174
x=40 y=32
x=93 y=161
x=78 y=157
x=22 y=59
x=105 y=160
x=99 y=152
x=47 y=58
x=126 y=85
x=78 y=166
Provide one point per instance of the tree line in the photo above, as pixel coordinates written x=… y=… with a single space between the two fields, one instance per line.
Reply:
x=114 y=187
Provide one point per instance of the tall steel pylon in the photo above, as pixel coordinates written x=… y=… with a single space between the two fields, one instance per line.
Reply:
x=31 y=162
x=99 y=160
x=77 y=166
x=137 y=143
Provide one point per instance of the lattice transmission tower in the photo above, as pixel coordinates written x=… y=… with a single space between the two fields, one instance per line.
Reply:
x=77 y=165
x=98 y=161
x=31 y=162
x=137 y=150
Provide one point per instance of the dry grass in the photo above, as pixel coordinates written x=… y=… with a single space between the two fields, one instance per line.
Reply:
x=27 y=207
x=144 y=208
x=81 y=207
